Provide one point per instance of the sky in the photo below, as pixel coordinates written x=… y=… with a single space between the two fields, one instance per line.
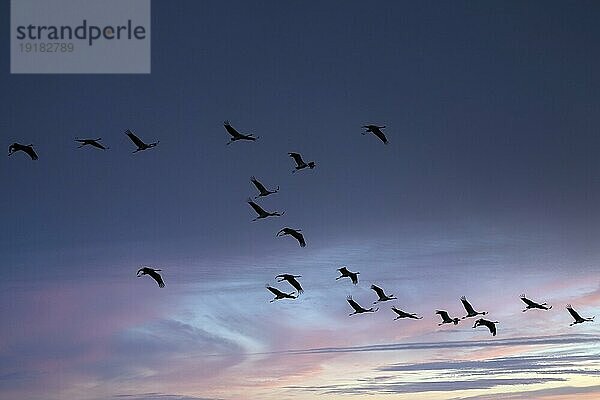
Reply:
x=487 y=189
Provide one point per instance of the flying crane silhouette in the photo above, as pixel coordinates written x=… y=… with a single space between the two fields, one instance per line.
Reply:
x=261 y=212
x=291 y=279
x=404 y=314
x=532 y=304
x=153 y=273
x=300 y=164
x=491 y=325
x=578 y=318
x=92 y=142
x=470 y=311
x=295 y=233
x=279 y=294
x=21 y=147
x=377 y=131
x=261 y=188
x=235 y=135
x=347 y=274
x=381 y=294
x=139 y=142
x=357 y=307
x=446 y=318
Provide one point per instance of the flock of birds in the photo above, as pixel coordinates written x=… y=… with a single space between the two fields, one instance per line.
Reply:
x=296 y=234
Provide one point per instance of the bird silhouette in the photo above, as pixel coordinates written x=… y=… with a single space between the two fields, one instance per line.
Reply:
x=532 y=304
x=357 y=307
x=279 y=294
x=291 y=279
x=381 y=294
x=91 y=142
x=470 y=311
x=300 y=164
x=139 y=143
x=295 y=233
x=578 y=318
x=347 y=274
x=404 y=314
x=491 y=325
x=261 y=188
x=24 y=148
x=377 y=131
x=153 y=273
x=261 y=212
x=446 y=318
x=235 y=135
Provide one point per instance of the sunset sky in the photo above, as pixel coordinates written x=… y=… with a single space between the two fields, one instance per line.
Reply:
x=489 y=188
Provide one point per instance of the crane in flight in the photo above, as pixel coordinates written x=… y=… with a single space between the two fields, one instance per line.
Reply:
x=279 y=294
x=532 y=304
x=153 y=273
x=358 y=309
x=295 y=233
x=92 y=142
x=381 y=294
x=469 y=308
x=291 y=279
x=261 y=212
x=344 y=273
x=446 y=318
x=578 y=318
x=139 y=142
x=404 y=314
x=491 y=325
x=263 y=191
x=377 y=131
x=21 y=147
x=235 y=135
x=300 y=164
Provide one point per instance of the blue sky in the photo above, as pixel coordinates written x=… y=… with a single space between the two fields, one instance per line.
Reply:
x=487 y=189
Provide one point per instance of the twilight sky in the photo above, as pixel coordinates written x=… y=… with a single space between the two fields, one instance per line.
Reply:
x=489 y=188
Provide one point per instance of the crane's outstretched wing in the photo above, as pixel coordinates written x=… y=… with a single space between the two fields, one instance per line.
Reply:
x=467 y=305
x=443 y=314
x=275 y=291
x=573 y=313
x=292 y=281
x=530 y=303
x=354 y=304
x=488 y=324
x=299 y=237
x=231 y=130
x=136 y=140
x=344 y=271
x=297 y=158
x=261 y=188
x=379 y=291
x=404 y=314
x=156 y=276
x=256 y=207
x=381 y=136
x=379 y=133
x=29 y=150
x=492 y=327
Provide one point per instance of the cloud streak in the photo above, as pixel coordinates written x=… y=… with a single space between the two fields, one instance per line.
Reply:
x=520 y=341
x=425 y=386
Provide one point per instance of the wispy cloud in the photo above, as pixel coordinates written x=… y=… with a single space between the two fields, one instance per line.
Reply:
x=425 y=386
x=520 y=341
x=485 y=374
x=563 y=392
x=545 y=363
